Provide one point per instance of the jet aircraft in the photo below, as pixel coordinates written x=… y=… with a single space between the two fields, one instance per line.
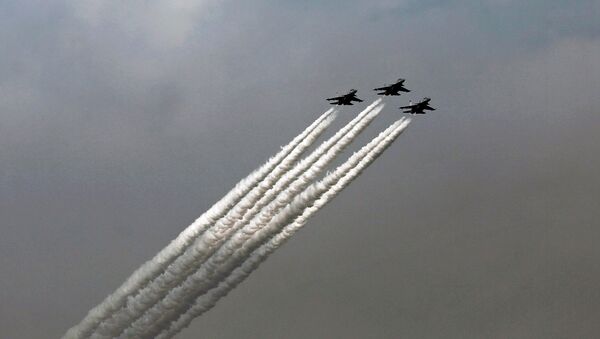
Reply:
x=345 y=99
x=418 y=108
x=393 y=89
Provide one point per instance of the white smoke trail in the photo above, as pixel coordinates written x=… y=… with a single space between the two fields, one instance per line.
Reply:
x=223 y=229
x=175 y=248
x=207 y=301
x=241 y=246
x=146 y=296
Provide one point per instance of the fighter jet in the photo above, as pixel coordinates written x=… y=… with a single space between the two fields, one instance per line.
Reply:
x=392 y=89
x=345 y=99
x=418 y=108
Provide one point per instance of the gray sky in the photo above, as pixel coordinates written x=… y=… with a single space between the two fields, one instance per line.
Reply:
x=121 y=122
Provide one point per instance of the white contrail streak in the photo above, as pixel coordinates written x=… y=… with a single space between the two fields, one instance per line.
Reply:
x=207 y=301
x=217 y=235
x=145 y=297
x=175 y=248
x=209 y=276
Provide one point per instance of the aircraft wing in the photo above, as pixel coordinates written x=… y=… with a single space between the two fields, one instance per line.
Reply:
x=403 y=89
x=429 y=108
x=385 y=88
x=408 y=107
x=355 y=99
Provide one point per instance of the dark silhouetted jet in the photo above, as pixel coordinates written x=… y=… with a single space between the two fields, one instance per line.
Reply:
x=392 y=89
x=418 y=108
x=345 y=99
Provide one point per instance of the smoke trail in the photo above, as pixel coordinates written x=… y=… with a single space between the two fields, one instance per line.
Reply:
x=207 y=301
x=227 y=259
x=214 y=237
x=175 y=248
x=146 y=296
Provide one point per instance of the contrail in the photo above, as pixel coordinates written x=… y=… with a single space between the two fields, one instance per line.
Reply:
x=175 y=248
x=147 y=295
x=217 y=235
x=207 y=301
x=205 y=279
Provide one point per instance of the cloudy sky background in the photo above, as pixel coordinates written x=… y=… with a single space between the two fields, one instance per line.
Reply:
x=121 y=122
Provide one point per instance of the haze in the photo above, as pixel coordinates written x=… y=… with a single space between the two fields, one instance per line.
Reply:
x=120 y=123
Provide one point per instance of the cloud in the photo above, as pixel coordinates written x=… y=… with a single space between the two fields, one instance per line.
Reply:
x=158 y=24
x=110 y=114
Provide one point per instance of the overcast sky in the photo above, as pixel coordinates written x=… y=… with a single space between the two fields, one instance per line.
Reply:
x=121 y=122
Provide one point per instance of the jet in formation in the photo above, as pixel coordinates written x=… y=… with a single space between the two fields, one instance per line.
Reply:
x=393 y=89
x=345 y=99
x=418 y=108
